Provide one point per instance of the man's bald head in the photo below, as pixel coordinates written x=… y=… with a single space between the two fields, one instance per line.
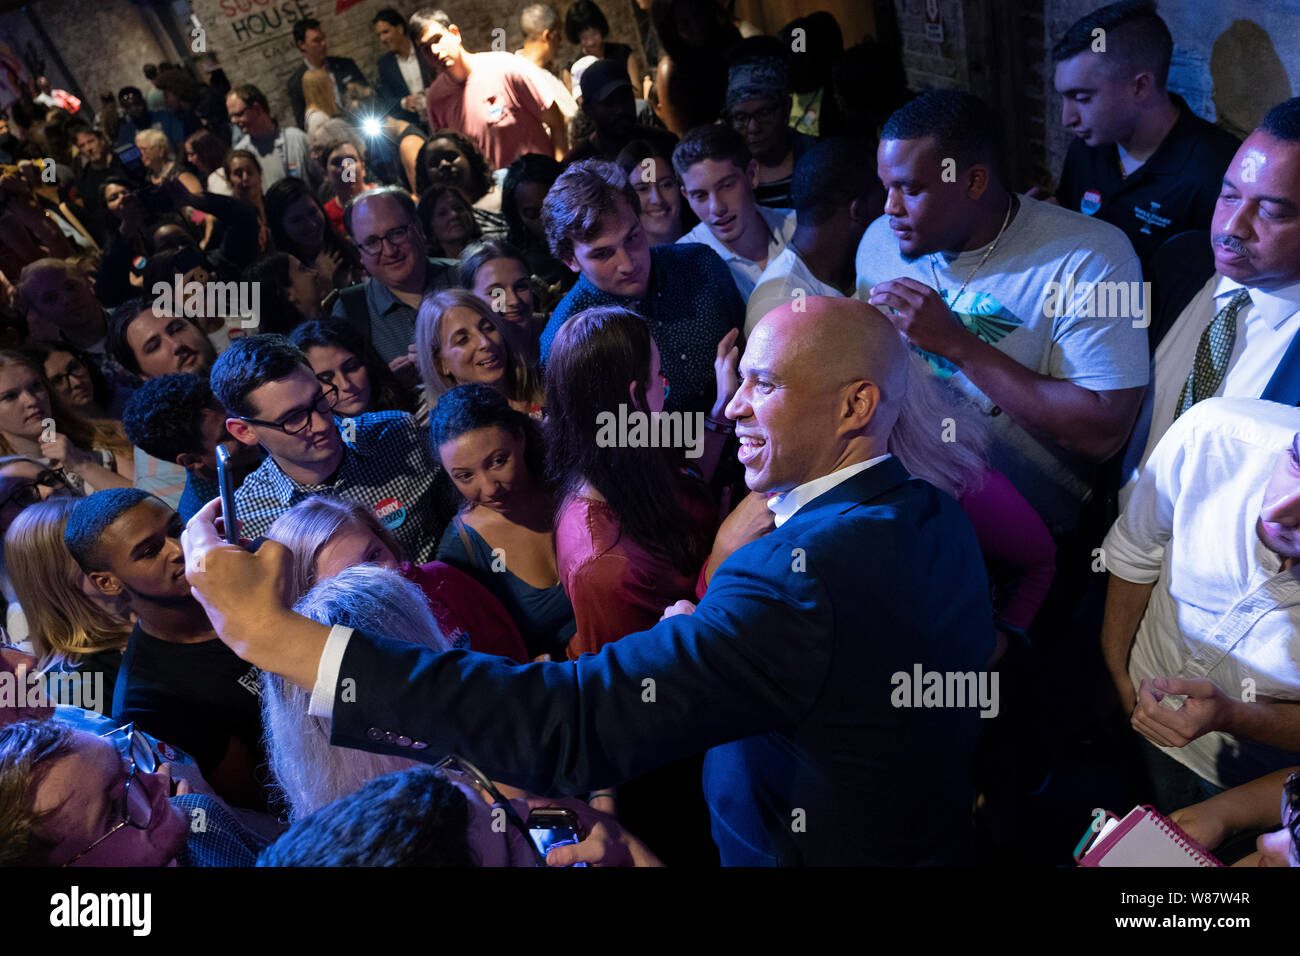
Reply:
x=821 y=389
x=835 y=341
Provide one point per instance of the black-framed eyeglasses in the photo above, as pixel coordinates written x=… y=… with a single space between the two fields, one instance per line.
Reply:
x=136 y=802
x=457 y=764
x=28 y=492
x=740 y=120
x=299 y=419
x=394 y=237
x=76 y=368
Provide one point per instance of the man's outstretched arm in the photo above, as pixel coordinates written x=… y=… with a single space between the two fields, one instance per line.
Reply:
x=751 y=659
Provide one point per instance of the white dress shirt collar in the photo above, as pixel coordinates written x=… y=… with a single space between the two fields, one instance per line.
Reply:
x=1273 y=306
x=785 y=505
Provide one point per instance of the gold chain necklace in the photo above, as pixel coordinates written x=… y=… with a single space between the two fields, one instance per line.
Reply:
x=992 y=245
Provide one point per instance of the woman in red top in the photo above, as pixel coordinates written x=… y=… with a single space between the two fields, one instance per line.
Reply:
x=634 y=525
x=327 y=535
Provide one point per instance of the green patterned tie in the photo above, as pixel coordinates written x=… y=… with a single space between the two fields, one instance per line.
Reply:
x=1212 y=354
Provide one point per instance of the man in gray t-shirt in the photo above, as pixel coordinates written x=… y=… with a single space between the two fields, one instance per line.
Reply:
x=1040 y=313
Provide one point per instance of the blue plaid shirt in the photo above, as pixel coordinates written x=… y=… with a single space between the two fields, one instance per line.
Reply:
x=387 y=466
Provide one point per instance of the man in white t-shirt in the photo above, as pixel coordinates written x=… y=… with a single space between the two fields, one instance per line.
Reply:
x=1040 y=314
x=836 y=195
x=1203 y=609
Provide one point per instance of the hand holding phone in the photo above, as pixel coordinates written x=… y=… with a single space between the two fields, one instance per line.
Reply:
x=226 y=485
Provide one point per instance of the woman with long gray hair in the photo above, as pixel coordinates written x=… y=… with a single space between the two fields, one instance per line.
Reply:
x=309 y=771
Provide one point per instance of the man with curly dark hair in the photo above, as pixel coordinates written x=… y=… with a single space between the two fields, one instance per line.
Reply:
x=176 y=418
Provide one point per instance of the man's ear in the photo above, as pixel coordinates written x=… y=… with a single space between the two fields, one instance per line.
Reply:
x=978 y=179
x=862 y=400
x=751 y=171
x=107 y=582
x=572 y=263
x=190 y=461
x=239 y=430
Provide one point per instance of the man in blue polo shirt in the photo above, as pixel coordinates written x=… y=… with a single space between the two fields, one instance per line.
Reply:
x=685 y=292
x=380 y=459
x=1142 y=159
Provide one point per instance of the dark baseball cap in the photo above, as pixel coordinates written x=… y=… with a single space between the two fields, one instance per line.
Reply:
x=603 y=78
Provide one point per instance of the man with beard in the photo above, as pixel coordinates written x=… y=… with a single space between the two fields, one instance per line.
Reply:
x=999 y=294
x=177 y=680
x=1235 y=331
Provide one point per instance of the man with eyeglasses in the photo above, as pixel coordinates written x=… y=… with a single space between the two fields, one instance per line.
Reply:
x=177 y=680
x=71 y=798
x=281 y=150
x=758 y=107
x=380 y=460
x=718 y=178
x=386 y=231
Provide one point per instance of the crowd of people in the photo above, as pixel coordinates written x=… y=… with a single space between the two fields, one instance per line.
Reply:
x=672 y=433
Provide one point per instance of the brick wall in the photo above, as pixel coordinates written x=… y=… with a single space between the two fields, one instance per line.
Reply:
x=104 y=43
x=254 y=38
x=1231 y=62
x=930 y=64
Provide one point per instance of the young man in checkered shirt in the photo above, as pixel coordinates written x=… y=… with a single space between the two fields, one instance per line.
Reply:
x=379 y=459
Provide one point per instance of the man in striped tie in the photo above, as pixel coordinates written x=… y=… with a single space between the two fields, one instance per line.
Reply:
x=1237 y=335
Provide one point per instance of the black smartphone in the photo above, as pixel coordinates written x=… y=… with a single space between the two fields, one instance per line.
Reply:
x=553 y=826
x=226 y=484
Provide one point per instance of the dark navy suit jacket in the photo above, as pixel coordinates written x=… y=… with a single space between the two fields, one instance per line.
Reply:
x=785 y=669
x=392 y=87
x=337 y=66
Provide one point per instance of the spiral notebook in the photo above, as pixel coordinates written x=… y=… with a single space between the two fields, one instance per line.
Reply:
x=1145 y=838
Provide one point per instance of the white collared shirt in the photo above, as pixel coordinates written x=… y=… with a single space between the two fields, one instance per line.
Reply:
x=1189 y=526
x=780 y=225
x=410 y=68
x=1264 y=330
x=785 y=505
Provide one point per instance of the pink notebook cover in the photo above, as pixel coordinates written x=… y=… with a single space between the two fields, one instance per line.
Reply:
x=1147 y=838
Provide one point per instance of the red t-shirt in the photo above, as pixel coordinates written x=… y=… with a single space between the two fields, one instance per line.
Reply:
x=464 y=608
x=616 y=586
x=499 y=107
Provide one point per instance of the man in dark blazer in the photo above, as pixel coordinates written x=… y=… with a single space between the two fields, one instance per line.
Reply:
x=310 y=39
x=1226 y=303
x=802 y=668
x=390 y=26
